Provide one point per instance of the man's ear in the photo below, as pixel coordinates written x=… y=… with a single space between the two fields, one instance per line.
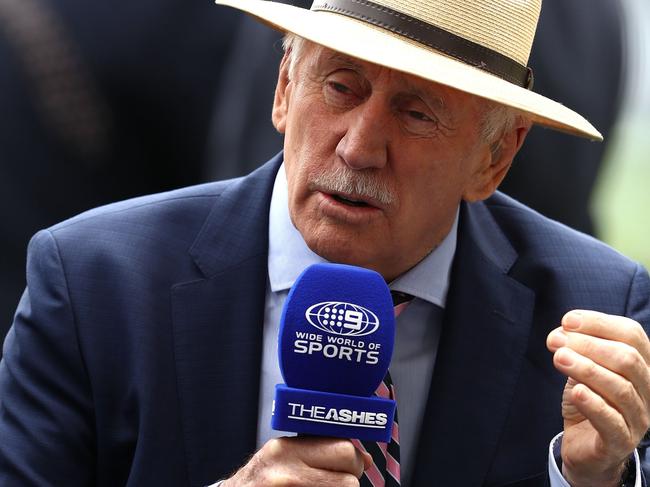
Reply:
x=496 y=162
x=281 y=99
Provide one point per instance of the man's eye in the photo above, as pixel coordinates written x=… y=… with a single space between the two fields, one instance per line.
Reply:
x=340 y=95
x=418 y=123
x=341 y=88
x=419 y=116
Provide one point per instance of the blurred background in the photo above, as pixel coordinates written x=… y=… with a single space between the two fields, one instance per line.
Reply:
x=101 y=101
x=621 y=201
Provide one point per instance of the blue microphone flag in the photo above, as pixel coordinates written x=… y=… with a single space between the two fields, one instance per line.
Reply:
x=335 y=345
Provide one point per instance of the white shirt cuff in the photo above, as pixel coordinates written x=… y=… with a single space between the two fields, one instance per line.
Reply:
x=557 y=480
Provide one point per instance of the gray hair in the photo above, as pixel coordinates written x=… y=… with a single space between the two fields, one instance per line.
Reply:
x=294 y=46
x=496 y=121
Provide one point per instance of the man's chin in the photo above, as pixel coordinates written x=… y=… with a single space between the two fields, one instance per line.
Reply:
x=339 y=251
x=345 y=253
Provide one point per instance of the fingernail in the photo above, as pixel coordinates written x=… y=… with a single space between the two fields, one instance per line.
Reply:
x=565 y=357
x=572 y=320
x=558 y=339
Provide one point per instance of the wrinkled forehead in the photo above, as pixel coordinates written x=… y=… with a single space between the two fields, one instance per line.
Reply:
x=320 y=60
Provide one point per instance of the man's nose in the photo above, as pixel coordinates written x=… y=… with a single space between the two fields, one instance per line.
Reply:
x=365 y=143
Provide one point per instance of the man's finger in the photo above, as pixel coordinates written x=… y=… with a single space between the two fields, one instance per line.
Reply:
x=617 y=391
x=335 y=454
x=618 y=357
x=607 y=421
x=609 y=327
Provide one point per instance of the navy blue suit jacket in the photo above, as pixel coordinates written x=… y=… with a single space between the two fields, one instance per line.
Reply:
x=134 y=358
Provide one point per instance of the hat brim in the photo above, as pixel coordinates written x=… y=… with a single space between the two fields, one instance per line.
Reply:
x=375 y=45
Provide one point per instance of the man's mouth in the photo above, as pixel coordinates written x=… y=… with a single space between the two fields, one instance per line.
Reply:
x=349 y=202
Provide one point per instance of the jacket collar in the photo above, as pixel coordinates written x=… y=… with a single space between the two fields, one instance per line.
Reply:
x=237 y=227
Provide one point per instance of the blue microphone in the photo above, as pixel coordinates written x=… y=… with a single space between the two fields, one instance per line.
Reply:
x=335 y=345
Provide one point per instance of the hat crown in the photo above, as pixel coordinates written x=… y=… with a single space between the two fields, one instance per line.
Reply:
x=505 y=26
x=480 y=47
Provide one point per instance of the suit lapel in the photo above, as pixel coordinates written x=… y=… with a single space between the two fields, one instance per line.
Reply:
x=482 y=345
x=217 y=329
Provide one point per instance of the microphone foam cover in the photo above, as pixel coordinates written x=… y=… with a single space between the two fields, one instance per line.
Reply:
x=337 y=330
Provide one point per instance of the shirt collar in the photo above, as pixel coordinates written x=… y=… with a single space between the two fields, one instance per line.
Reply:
x=289 y=254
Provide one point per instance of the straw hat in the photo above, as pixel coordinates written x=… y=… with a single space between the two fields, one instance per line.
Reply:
x=476 y=46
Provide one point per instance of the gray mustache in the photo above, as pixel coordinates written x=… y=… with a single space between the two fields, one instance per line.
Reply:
x=361 y=184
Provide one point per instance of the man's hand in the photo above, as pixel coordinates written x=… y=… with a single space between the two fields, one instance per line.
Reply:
x=606 y=400
x=303 y=461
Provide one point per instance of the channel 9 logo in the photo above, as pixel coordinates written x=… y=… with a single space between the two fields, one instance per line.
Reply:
x=344 y=319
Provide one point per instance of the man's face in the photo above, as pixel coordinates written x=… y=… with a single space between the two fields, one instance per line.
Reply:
x=377 y=161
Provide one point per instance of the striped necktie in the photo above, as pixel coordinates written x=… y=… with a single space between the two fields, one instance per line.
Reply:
x=385 y=471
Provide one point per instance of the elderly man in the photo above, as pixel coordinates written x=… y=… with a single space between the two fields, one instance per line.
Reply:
x=143 y=350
